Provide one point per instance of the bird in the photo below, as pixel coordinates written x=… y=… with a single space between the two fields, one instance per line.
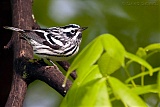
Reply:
x=54 y=43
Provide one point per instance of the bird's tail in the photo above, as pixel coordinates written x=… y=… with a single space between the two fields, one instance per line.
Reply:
x=14 y=29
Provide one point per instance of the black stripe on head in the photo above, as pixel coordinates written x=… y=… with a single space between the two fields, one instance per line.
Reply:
x=69 y=34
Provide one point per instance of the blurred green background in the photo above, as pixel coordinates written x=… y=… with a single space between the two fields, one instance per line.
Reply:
x=136 y=23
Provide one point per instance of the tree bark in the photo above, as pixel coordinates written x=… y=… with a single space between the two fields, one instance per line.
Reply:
x=21 y=17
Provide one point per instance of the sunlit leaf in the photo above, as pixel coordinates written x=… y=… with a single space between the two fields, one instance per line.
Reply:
x=93 y=86
x=108 y=64
x=113 y=47
x=145 y=89
x=140 y=61
x=88 y=56
x=97 y=93
x=155 y=46
x=91 y=74
x=125 y=94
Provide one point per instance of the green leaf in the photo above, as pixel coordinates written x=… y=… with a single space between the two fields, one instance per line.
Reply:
x=155 y=46
x=125 y=93
x=93 y=86
x=139 y=90
x=113 y=47
x=75 y=92
x=96 y=94
x=108 y=64
x=140 y=61
x=92 y=74
x=90 y=57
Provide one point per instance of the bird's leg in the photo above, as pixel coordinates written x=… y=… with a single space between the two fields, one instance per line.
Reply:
x=56 y=67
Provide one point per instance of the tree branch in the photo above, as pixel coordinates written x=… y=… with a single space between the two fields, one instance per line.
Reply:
x=50 y=75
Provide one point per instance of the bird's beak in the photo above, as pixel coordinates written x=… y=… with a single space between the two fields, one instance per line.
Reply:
x=83 y=28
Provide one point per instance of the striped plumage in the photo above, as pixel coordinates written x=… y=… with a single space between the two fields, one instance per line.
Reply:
x=55 y=43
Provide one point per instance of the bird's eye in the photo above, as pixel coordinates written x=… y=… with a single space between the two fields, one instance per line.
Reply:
x=72 y=31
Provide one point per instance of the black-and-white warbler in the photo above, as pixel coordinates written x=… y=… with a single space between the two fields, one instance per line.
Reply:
x=55 y=43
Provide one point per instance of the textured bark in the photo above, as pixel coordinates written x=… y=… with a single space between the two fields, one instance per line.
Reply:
x=21 y=17
x=17 y=93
